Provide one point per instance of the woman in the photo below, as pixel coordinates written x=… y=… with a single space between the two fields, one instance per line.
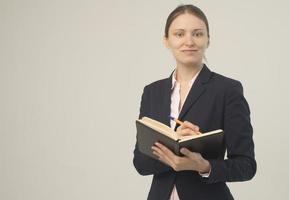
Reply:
x=205 y=101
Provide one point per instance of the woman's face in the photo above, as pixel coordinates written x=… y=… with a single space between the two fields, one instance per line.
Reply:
x=188 y=39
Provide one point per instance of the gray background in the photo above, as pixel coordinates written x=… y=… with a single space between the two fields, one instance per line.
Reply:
x=71 y=78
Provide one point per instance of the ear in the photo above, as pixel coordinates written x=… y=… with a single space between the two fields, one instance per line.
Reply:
x=166 y=42
x=208 y=43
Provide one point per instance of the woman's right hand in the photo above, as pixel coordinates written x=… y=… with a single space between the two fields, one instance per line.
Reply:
x=187 y=129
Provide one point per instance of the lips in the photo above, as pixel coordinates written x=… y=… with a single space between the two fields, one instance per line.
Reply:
x=189 y=51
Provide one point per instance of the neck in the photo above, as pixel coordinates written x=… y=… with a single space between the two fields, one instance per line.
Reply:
x=186 y=73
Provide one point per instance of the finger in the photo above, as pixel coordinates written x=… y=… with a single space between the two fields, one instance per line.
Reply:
x=192 y=155
x=165 y=150
x=162 y=156
x=187 y=153
x=189 y=125
x=167 y=154
x=186 y=132
x=174 y=161
x=157 y=151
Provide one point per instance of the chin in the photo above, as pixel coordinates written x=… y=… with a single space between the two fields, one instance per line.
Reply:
x=191 y=62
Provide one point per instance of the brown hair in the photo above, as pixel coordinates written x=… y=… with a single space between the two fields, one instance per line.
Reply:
x=182 y=9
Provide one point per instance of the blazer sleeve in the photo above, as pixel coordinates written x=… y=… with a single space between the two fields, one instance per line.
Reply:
x=143 y=163
x=240 y=164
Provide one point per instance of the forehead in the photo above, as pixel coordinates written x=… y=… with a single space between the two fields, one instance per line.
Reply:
x=187 y=21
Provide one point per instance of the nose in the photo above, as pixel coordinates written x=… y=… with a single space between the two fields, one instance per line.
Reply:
x=189 y=40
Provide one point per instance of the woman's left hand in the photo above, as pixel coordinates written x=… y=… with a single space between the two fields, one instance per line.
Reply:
x=190 y=160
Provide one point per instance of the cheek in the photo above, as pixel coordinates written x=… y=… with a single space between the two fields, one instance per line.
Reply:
x=202 y=45
x=175 y=44
x=203 y=48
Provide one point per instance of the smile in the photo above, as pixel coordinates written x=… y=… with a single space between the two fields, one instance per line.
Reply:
x=189 y=51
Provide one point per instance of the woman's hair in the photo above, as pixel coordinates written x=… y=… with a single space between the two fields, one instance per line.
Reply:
x=182 y=9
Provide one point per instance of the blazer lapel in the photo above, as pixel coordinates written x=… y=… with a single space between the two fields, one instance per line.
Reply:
x=167 y=101
x=197 y=89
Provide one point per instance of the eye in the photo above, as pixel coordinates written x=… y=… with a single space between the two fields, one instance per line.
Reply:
x=179 y=34
x=198 y=34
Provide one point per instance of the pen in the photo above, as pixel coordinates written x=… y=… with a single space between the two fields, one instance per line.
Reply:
x=176 y=120
x=180 y=123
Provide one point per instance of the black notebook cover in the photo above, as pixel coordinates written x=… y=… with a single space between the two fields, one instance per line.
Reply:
x=210 y=146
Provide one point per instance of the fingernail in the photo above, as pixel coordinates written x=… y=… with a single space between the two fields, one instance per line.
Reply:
x=183 y=150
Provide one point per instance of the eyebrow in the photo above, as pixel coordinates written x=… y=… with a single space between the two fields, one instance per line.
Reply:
x=180 y=29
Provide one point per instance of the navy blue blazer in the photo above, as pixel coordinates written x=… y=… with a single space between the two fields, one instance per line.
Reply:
x=214 y=102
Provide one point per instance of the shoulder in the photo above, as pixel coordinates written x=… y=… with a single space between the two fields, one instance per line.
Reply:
x=225 y=83
x=158 y=85
x=224 y=80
